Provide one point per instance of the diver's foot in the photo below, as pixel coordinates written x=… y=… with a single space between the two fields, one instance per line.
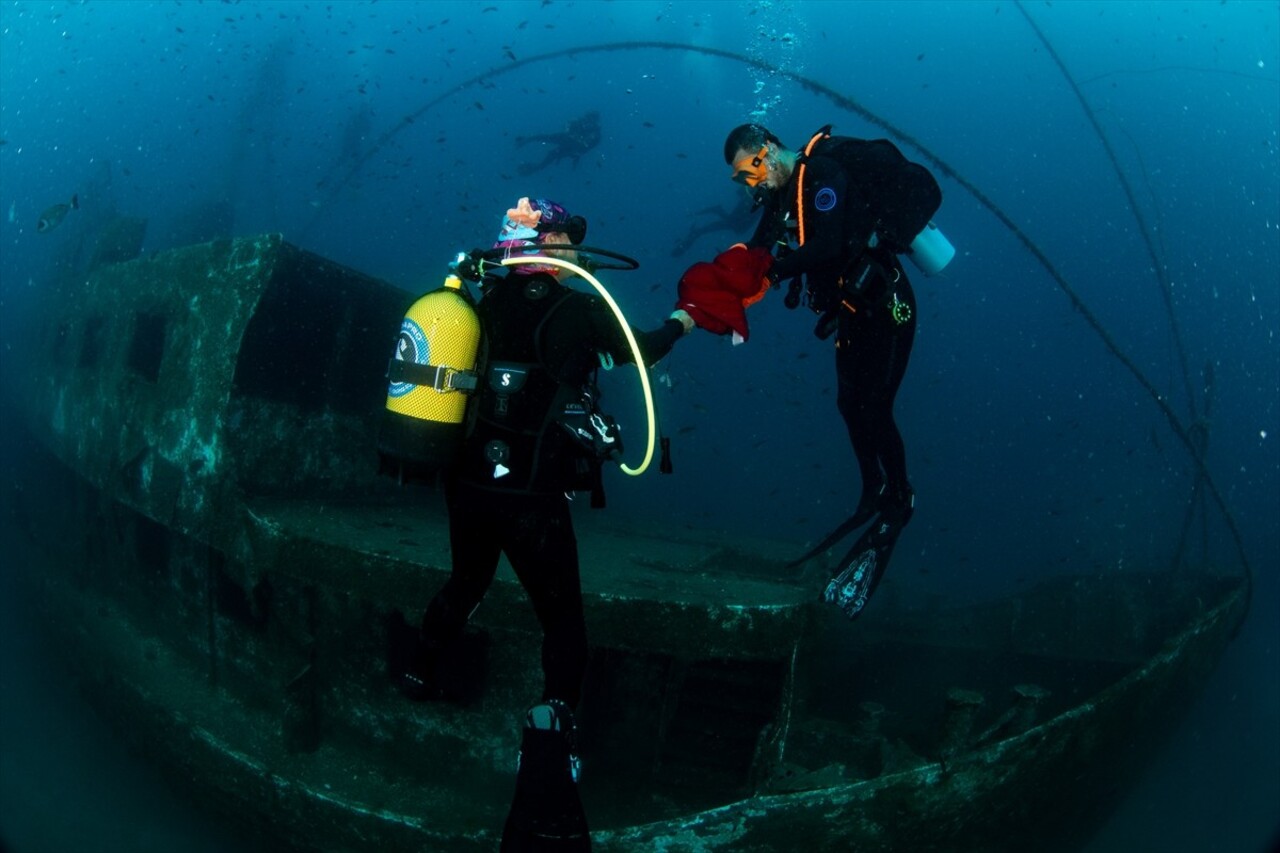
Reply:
x=546 y=813
x=897 y=505
x=550 y=715
x=869 y=504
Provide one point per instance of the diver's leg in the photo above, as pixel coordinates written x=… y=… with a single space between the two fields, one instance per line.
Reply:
x=873 y=349
x=546 y=812
x=900 y=335
x=537 y=137
x=526 y=169
x=555 y=143
x=853 y=402
x=476 y=534
x=855 y=387
x=475 y=545
x=544 y=555
x=882 y=343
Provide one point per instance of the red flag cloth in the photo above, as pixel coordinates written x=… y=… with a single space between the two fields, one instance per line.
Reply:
x=717 y=294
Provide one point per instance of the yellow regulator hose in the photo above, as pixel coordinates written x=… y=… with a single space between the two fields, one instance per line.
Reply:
x=631 y=340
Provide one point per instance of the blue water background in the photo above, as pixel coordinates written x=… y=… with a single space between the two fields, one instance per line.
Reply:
x=1033 y=451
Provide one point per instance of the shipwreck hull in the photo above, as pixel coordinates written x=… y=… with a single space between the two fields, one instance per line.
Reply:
x=203 y=426
x=1048 y=788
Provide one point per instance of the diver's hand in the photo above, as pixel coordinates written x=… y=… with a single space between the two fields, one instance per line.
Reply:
x=717 y=294
x=703 y=318
x=685 y=320
x=710 y=295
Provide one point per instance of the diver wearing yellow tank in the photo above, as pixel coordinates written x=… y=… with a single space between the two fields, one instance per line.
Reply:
x=537 y=435
x=506 y=490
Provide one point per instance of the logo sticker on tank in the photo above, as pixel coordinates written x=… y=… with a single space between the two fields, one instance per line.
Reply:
x=411 y=346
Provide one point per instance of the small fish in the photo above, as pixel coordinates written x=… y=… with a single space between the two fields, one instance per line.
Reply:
x=53 y=217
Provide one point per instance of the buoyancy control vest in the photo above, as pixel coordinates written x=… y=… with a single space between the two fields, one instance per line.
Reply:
x=890 y=202
x=898 y=197
x=523 y=438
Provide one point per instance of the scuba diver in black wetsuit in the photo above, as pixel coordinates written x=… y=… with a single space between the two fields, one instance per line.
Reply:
x=838 y=213
x=507 y=493
x=580 y=136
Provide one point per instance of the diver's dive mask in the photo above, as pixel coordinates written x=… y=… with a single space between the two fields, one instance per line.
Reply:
x=574 y=227
x=530 y=219
x=527 y=225
x=752 y=169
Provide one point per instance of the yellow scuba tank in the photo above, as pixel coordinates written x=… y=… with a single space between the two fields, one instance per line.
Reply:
x=430 y=375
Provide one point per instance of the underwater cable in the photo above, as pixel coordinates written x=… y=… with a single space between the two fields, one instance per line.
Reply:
x=1198 y=432
x=1162 y=278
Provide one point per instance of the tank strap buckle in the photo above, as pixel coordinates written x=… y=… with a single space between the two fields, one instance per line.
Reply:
x=449 y=379
x=440 y=379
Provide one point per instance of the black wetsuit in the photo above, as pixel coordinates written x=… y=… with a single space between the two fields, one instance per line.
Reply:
x=854 y=189
x=543 y=343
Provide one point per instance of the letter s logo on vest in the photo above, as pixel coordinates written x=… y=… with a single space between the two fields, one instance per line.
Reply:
x=506 y=380
x=825 y=199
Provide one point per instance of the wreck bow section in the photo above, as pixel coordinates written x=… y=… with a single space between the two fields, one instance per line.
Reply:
x=178 y=384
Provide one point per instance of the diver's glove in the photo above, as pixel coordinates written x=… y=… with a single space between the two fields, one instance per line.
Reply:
x=684 y=319
x=716 y=294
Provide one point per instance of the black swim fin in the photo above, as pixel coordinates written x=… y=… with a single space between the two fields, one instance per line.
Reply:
x=859 y=573
x=867 y=508
x=546 y=813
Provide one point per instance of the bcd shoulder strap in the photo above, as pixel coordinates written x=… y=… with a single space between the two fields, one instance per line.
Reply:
x=801 y=161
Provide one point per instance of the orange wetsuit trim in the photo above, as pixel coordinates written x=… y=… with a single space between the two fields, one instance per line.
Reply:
x=822 y=134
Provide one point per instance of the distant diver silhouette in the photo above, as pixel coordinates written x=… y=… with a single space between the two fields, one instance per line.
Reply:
x=581 y=135
x=734 y=220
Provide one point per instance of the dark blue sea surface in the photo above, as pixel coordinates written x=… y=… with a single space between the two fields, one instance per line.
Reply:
x=383 y=135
